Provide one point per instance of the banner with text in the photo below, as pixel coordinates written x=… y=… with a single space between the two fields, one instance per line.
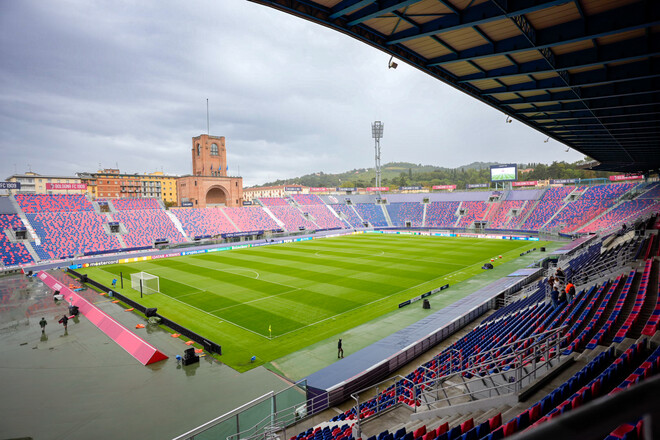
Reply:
x=292 y=188
x=10 y=185
x=562 y=181
x=351 y=189
x=527 y=183
x=378 y=188
x=410 y=188
x=444 y=186
x=320 y=189
x=477 y=185
x=625 y=177
x=56 y=186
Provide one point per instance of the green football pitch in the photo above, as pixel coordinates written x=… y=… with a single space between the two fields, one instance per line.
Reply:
x=274 y=300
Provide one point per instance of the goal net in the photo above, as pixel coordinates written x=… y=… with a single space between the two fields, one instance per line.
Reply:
x=150 y=283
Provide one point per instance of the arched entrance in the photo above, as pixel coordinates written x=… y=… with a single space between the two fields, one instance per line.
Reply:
x=216 y=196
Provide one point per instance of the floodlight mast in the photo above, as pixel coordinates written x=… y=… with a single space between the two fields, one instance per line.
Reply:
x=377 y=133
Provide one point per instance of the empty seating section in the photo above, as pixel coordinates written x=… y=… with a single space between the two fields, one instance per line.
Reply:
x=592 y=203
x=371 y=213
x=474 y=211
x=582 y=337
x=614 y=316
x=406 y=211
x=652 y=192
x=639 y=302
x=292 y=218
x=349 y=215
x=323 y=217
x=606 y=374
x=307 y=199
x=146 y=226
x=441 y=214
x=12 y=254
x=577 y=213
x=203 y=222
x=552 y=200
x=32 y=203
x=624 y=212
x=65 y=234
x=251 y=218
x=498 y=217
x=135 y=204
x=273 y=201
x=516 y=222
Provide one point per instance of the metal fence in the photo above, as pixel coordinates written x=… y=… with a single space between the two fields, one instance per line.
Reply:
x=259 y=418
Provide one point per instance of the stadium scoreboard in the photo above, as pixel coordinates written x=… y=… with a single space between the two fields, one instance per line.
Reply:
x=504 y=173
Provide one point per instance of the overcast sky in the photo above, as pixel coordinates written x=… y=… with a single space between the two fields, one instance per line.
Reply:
x=85 y=84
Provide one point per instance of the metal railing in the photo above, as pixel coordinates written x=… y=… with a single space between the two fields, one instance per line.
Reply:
x=263 y=417
x=494 y=372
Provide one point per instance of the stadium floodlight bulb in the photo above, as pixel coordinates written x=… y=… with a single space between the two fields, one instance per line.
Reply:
x=377 y=129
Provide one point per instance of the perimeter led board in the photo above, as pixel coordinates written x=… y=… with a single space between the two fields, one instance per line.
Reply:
x=504 y=173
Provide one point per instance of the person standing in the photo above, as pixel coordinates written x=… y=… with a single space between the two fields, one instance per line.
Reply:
x=64 y=320
x=340 y=350
x=560 y=275
x=43 y=324
x=554 y=296
x=570 y=292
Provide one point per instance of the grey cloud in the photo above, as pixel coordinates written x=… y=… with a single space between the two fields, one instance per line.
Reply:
x=89 y=82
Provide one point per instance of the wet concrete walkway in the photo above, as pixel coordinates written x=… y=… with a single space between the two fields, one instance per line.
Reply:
x=79 y=384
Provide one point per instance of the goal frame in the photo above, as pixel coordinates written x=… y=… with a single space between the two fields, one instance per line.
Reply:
x=150 y=282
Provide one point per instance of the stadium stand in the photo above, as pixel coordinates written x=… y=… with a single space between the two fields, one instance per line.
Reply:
x=65 y=234
x=371 y=213
x=273 y=201
x=441 y=214
x=474 y=211
x=135 y=204
x=203 y=222
x=145 y=226
x=12 y=254
x=33 y=203
x=251 y=218
x=323 y=217
x=406 y=211
x=622 y=213
x=349 y=215
x=593 y=202
x=498 y=217
x=307 y=199
x=552 y=201
x=652 y=192
x=292 y=218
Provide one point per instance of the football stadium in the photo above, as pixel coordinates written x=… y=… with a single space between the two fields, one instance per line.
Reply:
x=506 y=309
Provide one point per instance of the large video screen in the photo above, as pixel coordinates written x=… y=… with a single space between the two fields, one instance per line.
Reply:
x=504 y=173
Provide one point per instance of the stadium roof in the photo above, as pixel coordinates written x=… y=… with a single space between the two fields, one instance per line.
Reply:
x=584 y=72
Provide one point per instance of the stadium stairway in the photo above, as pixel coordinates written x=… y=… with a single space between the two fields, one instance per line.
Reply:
x=222 y=209
x=458 y=216
x=271 y=215
x=387 y=216
x=178 y=225
x=424 y=214
x=527 y=208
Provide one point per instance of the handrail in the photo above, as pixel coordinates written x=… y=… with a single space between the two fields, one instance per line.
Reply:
x=550 y=341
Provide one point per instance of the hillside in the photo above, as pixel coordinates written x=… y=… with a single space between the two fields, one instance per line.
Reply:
x=397 y=174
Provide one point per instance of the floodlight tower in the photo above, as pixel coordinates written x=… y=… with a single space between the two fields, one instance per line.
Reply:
x=377 y=134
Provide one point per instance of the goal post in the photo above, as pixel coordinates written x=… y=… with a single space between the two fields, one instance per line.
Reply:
x=150 y=283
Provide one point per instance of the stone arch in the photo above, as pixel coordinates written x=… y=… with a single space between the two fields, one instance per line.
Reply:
x=216 y=195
